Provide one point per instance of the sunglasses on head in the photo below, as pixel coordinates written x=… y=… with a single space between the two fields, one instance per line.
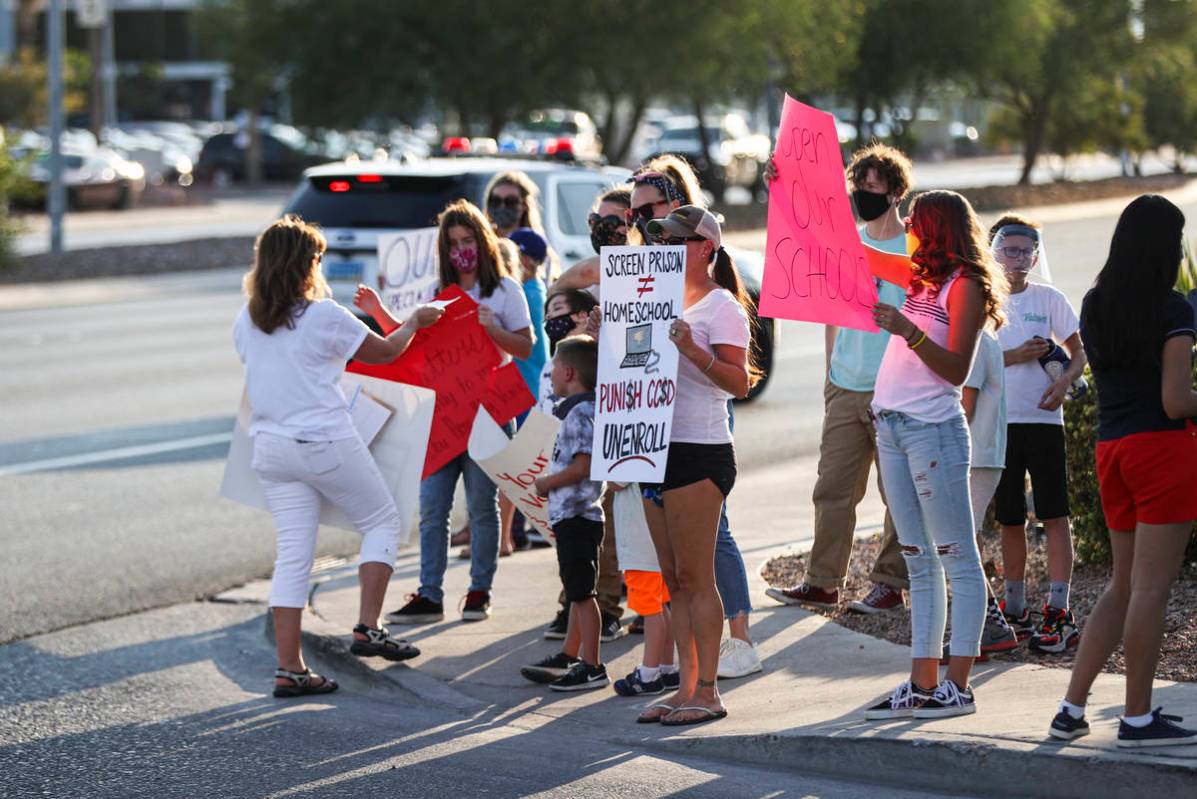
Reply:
x=675 y=241
x=511 y=201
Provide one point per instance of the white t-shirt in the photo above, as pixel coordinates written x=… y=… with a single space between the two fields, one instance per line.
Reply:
x=1040 y=310
x=988 y=427
x=509 y=305
x=292 y=374
x=700 y=410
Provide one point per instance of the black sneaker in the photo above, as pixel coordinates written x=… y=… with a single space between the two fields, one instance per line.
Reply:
x=418 y=610
x=1057 y=634
x=900 y=704
x=582 y=677
x=636 y=626
x=538 y=541
x=550 y=668
x=672 y=680
x=632 y=685
x=1065 y=727
x=611 y=629
x=477 y=606
x=948 y=700
x=1021 y=624
x=558 y=627
x=1162 y=731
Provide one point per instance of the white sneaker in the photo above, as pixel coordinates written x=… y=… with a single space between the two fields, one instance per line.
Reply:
x=737 y=659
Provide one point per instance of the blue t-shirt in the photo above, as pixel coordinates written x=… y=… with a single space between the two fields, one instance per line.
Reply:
x=857 y=355
x=531 y=367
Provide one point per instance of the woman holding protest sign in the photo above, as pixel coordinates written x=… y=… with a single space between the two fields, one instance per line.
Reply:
x=294 y=343
x=713 y=337
x=468 y=256
x=923 y=447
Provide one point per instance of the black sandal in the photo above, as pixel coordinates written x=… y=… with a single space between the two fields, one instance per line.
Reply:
x=379 y=643
x=303 y=683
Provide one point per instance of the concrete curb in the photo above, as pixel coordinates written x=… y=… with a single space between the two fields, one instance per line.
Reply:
x=1007 y=768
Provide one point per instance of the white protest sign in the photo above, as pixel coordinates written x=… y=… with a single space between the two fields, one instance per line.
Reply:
x=398 y=449
x=642 y=291
x=407 y=263
x=514 y=465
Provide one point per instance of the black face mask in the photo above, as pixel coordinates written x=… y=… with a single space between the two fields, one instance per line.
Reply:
x=504 y=217
x=557 y=328
x=602 y=236
x=870 y=205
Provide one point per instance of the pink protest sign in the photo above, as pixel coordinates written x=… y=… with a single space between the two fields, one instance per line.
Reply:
x=816 y=269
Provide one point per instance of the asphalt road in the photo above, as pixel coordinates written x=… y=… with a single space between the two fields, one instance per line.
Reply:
x=173 y=703
x=119 y=394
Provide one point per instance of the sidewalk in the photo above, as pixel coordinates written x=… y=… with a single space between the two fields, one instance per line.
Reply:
x=804 y=712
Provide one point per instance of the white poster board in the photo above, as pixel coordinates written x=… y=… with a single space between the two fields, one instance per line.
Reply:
x=407 y=263
x=514 y=465
x=398 y=448
x=642 y=289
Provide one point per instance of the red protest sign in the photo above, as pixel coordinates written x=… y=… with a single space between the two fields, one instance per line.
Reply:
x=507 y=394
x=457 y=359
x=816 y=269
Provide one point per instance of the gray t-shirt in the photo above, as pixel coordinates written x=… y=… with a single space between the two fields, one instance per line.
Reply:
x=576 y=436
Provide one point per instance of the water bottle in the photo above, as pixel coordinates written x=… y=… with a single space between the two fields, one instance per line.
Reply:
x=1055 y=362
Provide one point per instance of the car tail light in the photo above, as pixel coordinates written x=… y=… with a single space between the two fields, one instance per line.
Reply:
x=456 y=144
x=565 y=145
x=339 y=185
x=369 y=178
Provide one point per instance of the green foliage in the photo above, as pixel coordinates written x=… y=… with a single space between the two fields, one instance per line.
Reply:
x=24 y=88
x=1091 y=538
x=1186 y=281
x=10 y=181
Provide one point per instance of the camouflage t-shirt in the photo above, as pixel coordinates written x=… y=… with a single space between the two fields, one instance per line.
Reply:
x=576 y=436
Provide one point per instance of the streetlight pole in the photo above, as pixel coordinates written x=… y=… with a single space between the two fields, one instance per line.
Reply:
x=55 y=200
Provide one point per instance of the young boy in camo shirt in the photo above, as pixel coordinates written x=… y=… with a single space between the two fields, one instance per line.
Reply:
x=576 y=513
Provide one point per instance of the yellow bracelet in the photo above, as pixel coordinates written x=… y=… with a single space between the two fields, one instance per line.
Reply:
x=921 y=339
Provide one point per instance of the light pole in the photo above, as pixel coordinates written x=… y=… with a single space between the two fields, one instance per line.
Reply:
x=55 y=200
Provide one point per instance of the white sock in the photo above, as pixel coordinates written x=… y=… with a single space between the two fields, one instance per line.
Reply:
x=1076 y=711
x=648 y=674
x=1138 y=721
x=668 y=668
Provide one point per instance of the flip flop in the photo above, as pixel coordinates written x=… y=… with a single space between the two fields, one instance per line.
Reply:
x=711 y=715
x=642 y=720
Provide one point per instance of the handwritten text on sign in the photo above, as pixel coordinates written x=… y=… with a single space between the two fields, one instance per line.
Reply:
x=642 y=291
x=515 y=465
x=407 y=263
x=815 y=265
x=455 y=358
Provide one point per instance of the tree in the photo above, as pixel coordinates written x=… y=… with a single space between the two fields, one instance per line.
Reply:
x=25 y=93
x=1045 y=54
x=1166 y=76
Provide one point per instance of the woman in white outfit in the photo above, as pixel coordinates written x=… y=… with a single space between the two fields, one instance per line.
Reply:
x=294 y=343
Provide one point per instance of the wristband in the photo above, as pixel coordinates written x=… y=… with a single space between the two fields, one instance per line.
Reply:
x=922 y=337
x=709 y=365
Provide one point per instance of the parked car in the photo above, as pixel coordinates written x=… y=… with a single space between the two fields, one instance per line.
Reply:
x=164 y=161
x=558 y=132
x=285 y=155
x=356 y=203
x=95 y=178
x=736 y=156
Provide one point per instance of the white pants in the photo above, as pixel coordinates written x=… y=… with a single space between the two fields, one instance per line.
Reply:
x=294 y=475
x=982 y=482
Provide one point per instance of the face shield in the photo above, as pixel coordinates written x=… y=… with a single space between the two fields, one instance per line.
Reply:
x=1019 y=248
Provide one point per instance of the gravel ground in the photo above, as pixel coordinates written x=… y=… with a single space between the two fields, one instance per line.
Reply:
x=1178 y=655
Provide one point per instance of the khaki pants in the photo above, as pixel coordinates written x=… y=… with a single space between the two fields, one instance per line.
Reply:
x=847 y=450
x=610 y=578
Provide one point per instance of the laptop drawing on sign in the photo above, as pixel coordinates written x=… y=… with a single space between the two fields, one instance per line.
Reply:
x=639 y=346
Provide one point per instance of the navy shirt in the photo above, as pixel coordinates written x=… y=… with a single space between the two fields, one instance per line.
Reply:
x=1130 y=400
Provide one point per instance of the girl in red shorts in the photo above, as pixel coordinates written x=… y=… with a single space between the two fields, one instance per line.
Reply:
x=1139 y=334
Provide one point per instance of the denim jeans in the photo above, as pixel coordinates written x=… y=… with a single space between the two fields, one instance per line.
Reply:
x=925 y=470
x=730 y=576
x=436 y=503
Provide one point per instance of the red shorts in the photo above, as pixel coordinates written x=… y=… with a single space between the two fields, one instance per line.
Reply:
x=647 y=593
x=1149 y=478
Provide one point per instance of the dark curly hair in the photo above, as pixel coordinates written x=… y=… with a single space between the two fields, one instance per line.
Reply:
x=891 y=164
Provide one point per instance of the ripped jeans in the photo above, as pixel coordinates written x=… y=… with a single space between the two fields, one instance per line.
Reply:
x=924 y=467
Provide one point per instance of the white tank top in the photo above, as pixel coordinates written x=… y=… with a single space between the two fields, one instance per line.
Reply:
x=906 y=384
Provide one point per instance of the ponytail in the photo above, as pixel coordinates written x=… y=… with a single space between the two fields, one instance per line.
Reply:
x=724 y=273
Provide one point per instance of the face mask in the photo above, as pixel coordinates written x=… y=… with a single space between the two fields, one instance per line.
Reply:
x=870 y=205
x=602 y=236
x=505 y=217
x=465 y=259
x=558 y=328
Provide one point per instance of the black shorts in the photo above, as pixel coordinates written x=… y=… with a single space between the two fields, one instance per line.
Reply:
x=692 y=463
x=1038 y=449
x=579 y=542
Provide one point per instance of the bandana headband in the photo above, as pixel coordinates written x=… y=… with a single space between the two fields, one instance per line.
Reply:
x=661 y=184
